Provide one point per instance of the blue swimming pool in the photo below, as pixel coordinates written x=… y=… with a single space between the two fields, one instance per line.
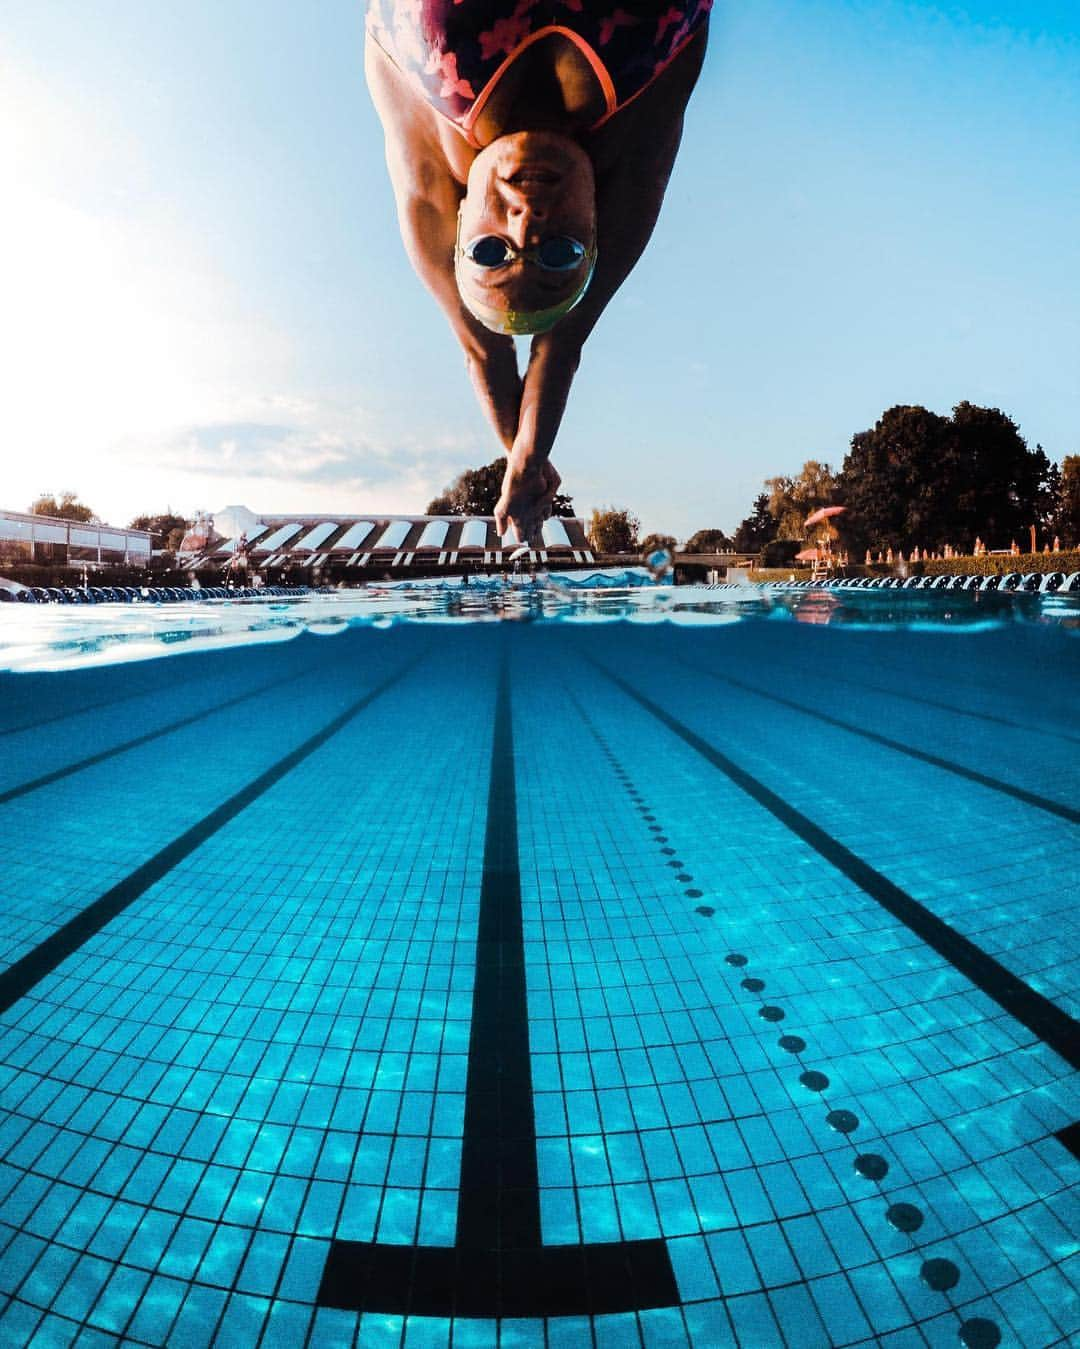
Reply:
x=542 y=969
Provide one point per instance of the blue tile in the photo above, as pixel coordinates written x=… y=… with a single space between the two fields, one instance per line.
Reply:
x=269 y=1048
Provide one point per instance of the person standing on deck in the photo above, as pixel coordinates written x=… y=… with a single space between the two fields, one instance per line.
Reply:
x=529 y=144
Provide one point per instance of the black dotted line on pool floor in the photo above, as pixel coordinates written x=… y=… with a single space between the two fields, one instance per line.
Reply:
x=939 y=1274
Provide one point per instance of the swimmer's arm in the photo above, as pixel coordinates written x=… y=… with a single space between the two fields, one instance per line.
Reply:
x=626 y=214
x=628 y=200
x=628 y=205
x=490 y=358
x=427 y=196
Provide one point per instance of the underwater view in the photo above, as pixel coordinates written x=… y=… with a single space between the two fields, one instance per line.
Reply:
x=541 y=966
x=539 y=675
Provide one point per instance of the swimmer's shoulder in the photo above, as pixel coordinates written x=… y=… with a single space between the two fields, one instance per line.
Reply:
x=654 y=118
x=418 y=141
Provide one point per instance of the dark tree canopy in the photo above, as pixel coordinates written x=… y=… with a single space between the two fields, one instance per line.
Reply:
x=477 y=491
x=921 y=480
x=474 y=492
x=612 y=530
x=708 y=541
x=68 y=507
x=651 y=542
x=758 y=529
x=1067 y=514
x=168 y=529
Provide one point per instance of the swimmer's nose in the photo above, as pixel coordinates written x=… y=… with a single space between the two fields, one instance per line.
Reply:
x=525 y=222
x=526 y=210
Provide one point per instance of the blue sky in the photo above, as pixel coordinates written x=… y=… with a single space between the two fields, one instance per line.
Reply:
x=206 y=300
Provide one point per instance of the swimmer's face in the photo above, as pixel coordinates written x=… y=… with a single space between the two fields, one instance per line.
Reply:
x=526 y=188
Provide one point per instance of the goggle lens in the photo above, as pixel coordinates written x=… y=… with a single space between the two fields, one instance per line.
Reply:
x=560 y=253
x=488 y=251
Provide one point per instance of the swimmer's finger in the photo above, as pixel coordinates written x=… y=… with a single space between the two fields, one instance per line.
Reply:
x=546 y=500
x=525 y=530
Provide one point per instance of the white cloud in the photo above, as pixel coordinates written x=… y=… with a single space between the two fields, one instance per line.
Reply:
x=113 y=323
x=326 y=455
x=134 y=371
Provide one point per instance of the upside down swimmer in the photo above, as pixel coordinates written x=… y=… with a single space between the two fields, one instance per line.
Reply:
x=529 y=145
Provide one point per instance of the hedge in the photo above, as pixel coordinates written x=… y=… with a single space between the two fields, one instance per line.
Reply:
x=989 y=565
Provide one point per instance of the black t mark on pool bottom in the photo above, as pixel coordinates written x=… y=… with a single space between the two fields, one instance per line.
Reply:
x=498 y=1265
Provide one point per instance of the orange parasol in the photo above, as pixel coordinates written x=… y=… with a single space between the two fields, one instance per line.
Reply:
x=823 y=513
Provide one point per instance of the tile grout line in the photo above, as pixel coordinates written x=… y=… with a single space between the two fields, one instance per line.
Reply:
x=18 y=979
x=57 y=774
x=1042 y=1017
x=940 y=1275
x=1044 y=803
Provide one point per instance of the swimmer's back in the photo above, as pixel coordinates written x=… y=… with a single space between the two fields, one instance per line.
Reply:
x=454 y=52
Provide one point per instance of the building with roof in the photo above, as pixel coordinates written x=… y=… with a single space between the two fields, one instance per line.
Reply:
x=48 y=539
x=350 y=547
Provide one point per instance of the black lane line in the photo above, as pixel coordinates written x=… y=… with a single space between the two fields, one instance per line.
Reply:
x=922 y=701
x=87 y=707
x=1043 y=1018
x=1069 y=1137
x=499 y=1205
x=940 y=1275
x=151 y=690
x=972 y=775
x=498 y=1266
x=45 y=779
x=21 y=977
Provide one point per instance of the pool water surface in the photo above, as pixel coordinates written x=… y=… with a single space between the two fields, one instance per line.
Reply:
x=545 y=983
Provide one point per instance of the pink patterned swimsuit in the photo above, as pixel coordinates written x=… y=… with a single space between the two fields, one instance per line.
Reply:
x=455 y=51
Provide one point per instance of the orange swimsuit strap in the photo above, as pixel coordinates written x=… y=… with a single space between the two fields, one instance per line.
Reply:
x=454 y=52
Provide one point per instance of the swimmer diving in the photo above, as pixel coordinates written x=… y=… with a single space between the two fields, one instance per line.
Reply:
x=529 y=144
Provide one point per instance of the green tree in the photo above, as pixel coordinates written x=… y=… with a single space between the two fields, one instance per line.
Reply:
x=474 y=492
x=651 y=542
x=708 y=541
x=1067 y=509
x=69 y=507
x=168 y=529
x=758 y=529
x=612 y=530
x=791 y=500
x=921 y=480
x=477 y=491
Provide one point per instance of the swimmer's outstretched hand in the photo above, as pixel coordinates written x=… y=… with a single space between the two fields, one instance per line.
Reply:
x=528 y=491
x=492 y=366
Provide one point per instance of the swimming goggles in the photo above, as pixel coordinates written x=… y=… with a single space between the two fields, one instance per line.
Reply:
x=559 y=253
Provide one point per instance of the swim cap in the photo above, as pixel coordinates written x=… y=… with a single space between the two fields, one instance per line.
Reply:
x=523 y=322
